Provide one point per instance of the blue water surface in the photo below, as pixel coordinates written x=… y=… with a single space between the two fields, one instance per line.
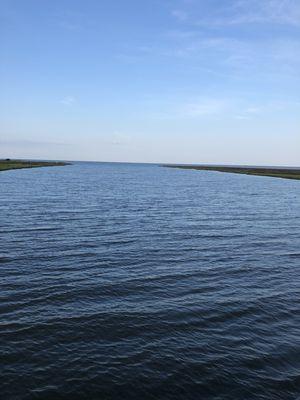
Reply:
x=124 y=281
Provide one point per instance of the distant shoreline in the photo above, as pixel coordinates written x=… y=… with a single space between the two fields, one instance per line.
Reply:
x=286 y=173
x=8 y=164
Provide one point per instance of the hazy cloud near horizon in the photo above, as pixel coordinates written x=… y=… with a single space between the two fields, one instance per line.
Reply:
x=184 y=81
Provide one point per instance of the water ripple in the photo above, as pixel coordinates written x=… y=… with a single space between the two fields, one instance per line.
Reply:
x=124 y=281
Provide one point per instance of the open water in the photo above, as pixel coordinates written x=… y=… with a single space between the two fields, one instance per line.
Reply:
x=122 y=281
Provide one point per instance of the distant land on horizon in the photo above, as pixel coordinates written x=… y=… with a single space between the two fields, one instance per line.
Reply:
x=8 y=164
x=275 y=172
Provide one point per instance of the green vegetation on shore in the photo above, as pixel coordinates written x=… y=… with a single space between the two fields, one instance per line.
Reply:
x=18 y=164
x=287 y=173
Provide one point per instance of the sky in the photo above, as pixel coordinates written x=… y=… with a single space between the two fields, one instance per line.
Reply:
x=179 y=81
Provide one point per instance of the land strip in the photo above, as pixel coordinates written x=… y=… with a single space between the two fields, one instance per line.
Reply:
x=18 y=164
x=287 y=173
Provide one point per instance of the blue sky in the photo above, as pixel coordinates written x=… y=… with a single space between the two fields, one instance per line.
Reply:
x=188 y=81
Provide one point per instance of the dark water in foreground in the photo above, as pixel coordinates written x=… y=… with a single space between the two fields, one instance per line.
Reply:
x=141 y=282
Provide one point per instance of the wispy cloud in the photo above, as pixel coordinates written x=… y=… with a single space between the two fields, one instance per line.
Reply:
x=68 y=100
x=266 y=11
x=205 y=107
x=234 y=12
x=119 y=139
x=235 y=107
x=266 y=57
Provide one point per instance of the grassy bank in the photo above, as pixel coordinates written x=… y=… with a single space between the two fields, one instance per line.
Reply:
x=18 y=164
x=287 y=173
